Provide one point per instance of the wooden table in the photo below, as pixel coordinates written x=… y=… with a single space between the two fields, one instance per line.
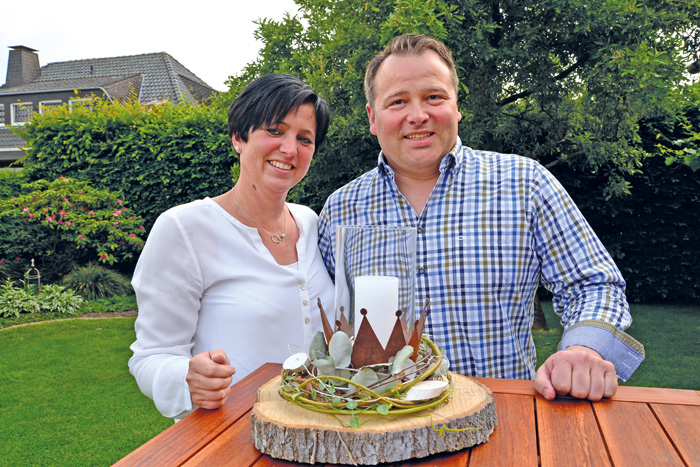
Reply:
x=638 y=427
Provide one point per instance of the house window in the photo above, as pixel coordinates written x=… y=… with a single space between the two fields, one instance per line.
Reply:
x=48 y=104
x=80 y=102
x=21 y=113
x=2 y=114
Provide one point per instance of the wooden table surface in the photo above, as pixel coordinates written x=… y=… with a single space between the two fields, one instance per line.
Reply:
x=638 y=427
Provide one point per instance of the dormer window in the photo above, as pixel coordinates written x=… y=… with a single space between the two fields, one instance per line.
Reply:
x=2 y=114
x=43 y=105
x=21 y=113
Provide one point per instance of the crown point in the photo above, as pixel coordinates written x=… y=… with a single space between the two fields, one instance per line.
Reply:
x=363 y=312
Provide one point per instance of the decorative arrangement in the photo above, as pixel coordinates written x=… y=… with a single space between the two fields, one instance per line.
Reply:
x=375 y=363
x=323 y=380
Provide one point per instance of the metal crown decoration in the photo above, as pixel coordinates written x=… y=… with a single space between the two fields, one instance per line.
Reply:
x=367 y=350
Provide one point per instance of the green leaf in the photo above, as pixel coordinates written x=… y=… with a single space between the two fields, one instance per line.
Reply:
x=318 y=348
x=340 y=349
x=383 y=408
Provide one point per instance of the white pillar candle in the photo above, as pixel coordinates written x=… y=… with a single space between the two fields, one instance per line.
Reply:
x=379 y=295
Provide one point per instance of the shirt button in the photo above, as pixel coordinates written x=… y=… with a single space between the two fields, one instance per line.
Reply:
x=306 y=303
x=302 y=286
x=307 y=320
x=421 y=270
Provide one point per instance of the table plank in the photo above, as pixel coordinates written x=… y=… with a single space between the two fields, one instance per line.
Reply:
x=682 y=424
x=657 y=395
x=568 y=434
x=514 y=441
x=634 y=436
x=181 y=441
x=232 y=447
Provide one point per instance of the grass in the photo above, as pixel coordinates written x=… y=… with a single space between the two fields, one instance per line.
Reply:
x=67 y=398
x=671 y=339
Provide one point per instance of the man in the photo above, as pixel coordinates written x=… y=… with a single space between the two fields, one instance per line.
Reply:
x=490 y=228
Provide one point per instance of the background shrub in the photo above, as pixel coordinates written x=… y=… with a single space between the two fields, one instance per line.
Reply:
x=11 y=182
x=67 y=223
x=158 y=156
x=95 y=282
x=14 y=300
x=55 y=299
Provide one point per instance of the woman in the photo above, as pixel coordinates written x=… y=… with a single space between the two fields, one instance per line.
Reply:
x=226 y=284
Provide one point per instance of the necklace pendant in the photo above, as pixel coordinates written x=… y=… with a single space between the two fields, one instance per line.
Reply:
x=278 y=238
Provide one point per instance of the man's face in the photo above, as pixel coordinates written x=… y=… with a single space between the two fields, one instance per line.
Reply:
x=414 y=114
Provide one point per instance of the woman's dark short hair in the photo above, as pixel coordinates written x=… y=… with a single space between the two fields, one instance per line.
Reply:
x=268 y=99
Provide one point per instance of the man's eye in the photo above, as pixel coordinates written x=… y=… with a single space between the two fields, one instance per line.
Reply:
x=397 y=102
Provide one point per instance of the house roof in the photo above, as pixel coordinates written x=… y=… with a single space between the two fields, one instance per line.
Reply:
x=155 y=77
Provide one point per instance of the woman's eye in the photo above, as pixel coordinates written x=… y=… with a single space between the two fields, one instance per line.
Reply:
x=305 y=140
x=274 y=131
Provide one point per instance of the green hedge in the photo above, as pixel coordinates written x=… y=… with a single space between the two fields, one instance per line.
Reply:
x=159 y=156
x=653 y=234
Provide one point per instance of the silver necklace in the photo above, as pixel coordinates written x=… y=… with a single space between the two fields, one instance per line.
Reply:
x=273 y=237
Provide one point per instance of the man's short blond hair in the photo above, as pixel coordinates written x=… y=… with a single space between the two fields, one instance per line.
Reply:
x=407 y=44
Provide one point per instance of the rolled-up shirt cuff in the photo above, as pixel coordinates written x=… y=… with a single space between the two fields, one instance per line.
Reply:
x=615 y=346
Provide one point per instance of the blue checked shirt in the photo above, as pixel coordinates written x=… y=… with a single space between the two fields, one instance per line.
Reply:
x=494 y=227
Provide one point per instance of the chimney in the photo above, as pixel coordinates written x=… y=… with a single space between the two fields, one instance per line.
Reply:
x=22 y=66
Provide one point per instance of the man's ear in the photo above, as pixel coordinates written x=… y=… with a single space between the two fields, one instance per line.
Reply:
x=370 y=115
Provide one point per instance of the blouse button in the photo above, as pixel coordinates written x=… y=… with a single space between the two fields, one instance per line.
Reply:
x=303 y=286
x=306 y=303
x=307 y=320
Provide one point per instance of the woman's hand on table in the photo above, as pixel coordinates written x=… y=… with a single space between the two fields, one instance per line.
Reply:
x=577 y=371
x=209 y=379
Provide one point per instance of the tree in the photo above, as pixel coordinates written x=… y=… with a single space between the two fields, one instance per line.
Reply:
x=562 y=81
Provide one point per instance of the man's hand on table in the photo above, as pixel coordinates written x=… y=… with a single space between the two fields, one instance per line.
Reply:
x=209 y=379
x=577 y=371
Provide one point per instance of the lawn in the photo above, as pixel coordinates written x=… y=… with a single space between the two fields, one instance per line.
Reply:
x=67 y=398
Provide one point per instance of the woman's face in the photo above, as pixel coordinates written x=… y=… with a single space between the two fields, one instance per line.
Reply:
x=275 y=158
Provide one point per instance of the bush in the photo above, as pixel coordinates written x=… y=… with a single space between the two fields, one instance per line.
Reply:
x=25 y=299
x=94 y=282
x=53 y=299
x=14 y=301
x=67 y=223
x=158 y=156
x=11 y=183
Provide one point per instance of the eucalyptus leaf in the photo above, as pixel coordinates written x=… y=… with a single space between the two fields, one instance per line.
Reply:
x=340 y=349
x=318 y=348
x=324 y=366
x=366 y=377
x=443 y=368
x=386 y=386
x=402 y=360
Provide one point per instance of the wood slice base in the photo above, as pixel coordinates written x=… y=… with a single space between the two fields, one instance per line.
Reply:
x=285 y=431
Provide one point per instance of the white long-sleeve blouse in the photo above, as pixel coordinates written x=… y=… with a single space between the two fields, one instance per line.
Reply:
x=205 y=281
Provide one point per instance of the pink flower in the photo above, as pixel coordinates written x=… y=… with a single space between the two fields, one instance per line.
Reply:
x=31 y=215
x=2 y=261
x=116 y=213
x=142 y=228
x=92 y=213
x=132 y=235
x=119 y=202
x=121 y=242
x=17 y=258
x=138 y=243
x=81 y=236
x=25 y=210
x=65 y=200
x=131 y=218
x=103 y=256
x=60 y=222
x=68 y=223
x=115 y=223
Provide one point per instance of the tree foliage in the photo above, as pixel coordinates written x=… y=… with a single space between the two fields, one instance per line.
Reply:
x=557 y=80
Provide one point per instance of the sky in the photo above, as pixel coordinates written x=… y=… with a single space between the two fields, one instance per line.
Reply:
x=212 y=39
